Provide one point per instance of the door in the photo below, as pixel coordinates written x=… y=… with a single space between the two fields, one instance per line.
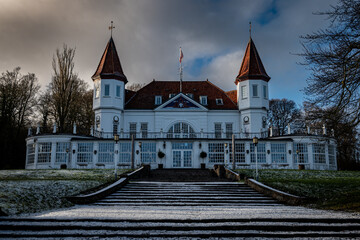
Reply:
x=182 y=155
x=182 y=158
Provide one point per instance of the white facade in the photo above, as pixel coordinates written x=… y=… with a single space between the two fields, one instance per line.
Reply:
x=182 y=126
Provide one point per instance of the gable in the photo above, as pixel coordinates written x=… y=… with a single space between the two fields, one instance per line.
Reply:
x=181 y=102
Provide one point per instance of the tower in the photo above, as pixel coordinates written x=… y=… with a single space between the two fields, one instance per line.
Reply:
x=252 y=91
x=109 y=91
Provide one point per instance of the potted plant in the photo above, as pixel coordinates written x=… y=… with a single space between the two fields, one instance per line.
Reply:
x=161 y=155
x=202 y=156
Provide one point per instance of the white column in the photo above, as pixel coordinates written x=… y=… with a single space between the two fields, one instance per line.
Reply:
x=53 y=154
x=95 y=156
x=36 y=155
x=327 y=156
x=54 y=128
x=74 y=155
x=268 y=156
x=290 y=156
x=247 y=156
x=310 y=156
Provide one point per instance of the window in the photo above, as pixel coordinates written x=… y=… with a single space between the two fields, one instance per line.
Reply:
x=331 y=151
x=182 y=145
x=85 y=152
x=216 y=152
x=203 y=100
x=115 y=127
x=124 y=152
x=148 y=152
x=181 y=130
x=107 y=90
x=255 y=90
x=219 y=101
x=118 y=88
x=106 y=152
x=265 y=92
x=229 y=130
x=261 y=153
x=30 y=153
x=144 y=130
x=133 y=129
x=171 y=95
x=44 y=152
x=319 y=153
x=300 y=153
x=217 y=127
x=190 y=95
x=97 y=89
x=61 y=155
x=158 y=100
x=244 y=92
x=239 y=152
x=278 y=153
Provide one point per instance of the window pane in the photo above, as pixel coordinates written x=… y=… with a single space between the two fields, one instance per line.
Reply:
x=265 y=91
x=244 y=92
x=118 y=91
x=107 y=90
x=255 y=90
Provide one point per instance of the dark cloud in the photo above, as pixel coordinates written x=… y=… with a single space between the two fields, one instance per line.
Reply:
x=148 y=34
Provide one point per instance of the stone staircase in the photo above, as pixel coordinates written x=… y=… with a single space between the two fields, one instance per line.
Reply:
x=182 y=210
x=183 y=229
x=186 y=194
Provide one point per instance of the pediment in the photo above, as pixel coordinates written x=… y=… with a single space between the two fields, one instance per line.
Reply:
x=181 y=102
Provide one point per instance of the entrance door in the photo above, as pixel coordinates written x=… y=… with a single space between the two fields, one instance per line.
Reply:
x=182 y=155
x=182 y=158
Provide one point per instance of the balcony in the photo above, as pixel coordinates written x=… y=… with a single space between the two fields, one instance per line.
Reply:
x=182 y=135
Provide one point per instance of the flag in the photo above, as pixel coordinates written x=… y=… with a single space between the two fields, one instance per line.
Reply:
x=181 y=56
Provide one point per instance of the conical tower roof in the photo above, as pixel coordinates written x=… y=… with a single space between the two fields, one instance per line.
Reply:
x=251 y=67
x=109 y=66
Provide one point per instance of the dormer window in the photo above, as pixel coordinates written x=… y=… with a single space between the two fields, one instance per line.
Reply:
x=219 y=101
x=203 y=100
x=158 y=100
x=171 y=95
x=190 y=95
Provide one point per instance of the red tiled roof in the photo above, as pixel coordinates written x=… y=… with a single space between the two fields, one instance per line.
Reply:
x=232 y=95
x=145 y=97
x=109 y=66
x=251 y=67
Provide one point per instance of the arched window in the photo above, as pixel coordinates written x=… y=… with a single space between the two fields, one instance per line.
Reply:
x=181 y=130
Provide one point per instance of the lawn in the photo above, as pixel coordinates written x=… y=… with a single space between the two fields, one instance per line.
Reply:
x=29 y=191
x=336 y=190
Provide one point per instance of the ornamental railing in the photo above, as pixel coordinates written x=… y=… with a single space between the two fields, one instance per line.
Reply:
x=182 y=135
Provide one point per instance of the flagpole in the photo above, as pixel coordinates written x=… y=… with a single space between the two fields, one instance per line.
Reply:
x=181 y=69
x=181 y=73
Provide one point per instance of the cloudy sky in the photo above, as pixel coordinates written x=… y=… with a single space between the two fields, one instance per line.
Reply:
x=148 y=33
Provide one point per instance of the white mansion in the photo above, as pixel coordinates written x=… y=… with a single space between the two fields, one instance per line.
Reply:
x=169 y=126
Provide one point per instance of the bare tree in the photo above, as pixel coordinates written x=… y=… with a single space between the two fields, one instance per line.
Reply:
x=281 y=113
x=17 y=103
x=333 y=56
x=65 y=86
x=135 y=86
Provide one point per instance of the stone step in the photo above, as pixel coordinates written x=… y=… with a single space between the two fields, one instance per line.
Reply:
x=173 y=197
x=215 y=228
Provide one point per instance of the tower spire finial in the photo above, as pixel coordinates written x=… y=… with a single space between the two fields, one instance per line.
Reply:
x=111 y=27
x=250 y=28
